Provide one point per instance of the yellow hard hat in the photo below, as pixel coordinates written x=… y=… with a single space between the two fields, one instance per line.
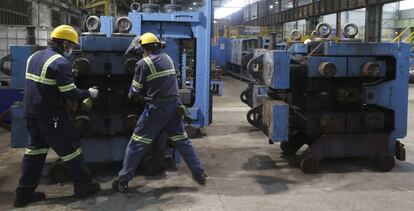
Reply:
x=148 y=38
x=65 y=32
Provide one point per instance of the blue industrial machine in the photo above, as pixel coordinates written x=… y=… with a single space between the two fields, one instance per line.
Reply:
x=256 y=92
x=11 y=88
x=11 y=83
x=219 y=52
x=238 y=53
x=100 y=61
x=343 y=98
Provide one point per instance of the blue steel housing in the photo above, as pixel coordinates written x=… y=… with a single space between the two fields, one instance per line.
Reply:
x=185 y=25
x=345 y=99
x=256 y=92
x=14 y=92
x=101 y=61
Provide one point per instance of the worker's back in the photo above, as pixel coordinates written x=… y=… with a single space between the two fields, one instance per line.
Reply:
x=162 y=84
x=41 y=91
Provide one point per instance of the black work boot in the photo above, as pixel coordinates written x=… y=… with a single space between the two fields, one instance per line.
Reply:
x=200 y=178
x=82 y=191
x=24 y=197
x=120 y=187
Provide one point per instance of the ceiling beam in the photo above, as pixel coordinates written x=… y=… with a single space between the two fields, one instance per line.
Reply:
x=315 y=9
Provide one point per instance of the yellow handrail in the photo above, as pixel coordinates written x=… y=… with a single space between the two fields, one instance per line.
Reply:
x=398 y=38
x=409 y=38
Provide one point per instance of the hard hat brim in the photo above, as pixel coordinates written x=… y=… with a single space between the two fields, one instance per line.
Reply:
x=134 y=43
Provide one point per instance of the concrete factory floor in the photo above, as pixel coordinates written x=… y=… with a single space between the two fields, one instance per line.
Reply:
x=245 y=173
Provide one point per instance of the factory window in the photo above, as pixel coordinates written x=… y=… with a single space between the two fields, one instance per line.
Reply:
x=389 y=20
x=286 y=4
x=74 y=21
x=331 y=20
x=299 y=25
x=358 y=18
x=15 y=12
x=246 y=13
x=288 y=28
x=253 y=11
x=397 y=19
x=304 y=2
x=273 y=6
x=55 y=18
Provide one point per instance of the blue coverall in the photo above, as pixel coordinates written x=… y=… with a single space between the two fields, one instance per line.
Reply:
x=155 y=78
x=48 y=84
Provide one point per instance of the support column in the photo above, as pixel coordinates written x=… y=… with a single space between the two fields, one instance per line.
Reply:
x=279 y=6
x=373 y=23
x=338 y=25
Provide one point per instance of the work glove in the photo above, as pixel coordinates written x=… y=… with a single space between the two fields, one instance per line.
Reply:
x=138 y=99
x=183 y=112
x=87 y=105
x=93 y=92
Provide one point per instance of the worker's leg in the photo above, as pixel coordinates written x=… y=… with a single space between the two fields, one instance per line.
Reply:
x=186 y=150
x=33 y=161
x=34 y=157
x=149 y=125
x=63 y=138
x=133 y=156
x=177 y=134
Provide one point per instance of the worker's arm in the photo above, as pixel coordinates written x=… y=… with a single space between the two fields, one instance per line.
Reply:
x=138 y=82
x=65 y=82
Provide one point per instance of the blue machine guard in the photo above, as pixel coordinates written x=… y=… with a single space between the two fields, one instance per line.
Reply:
x=276 y=120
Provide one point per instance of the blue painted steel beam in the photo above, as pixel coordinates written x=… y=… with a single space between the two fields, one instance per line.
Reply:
x=183 y=17
x=107 y=44
x=19 y=55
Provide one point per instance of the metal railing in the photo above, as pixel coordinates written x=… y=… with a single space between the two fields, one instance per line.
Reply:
x=409 y=38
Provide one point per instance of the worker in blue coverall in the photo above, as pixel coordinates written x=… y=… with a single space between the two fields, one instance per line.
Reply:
x=49 y=84
x=156 y=80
